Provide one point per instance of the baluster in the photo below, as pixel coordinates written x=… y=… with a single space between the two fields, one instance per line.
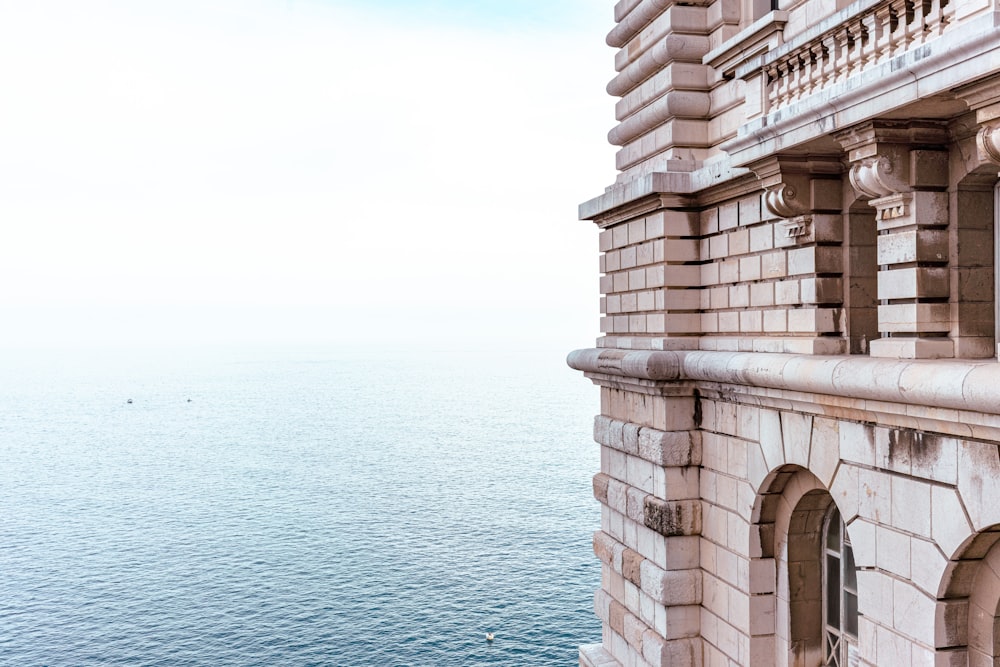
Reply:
x=883 y=33
x=868 y=25
x=806 y=81
x=856 y=59
x=818 y=53
x=843 y=52
x=932 y=19
x=901 y=30
x=947 y=9
x=781 y=84
x=794 y=76
x=772 y=88
x=829 y=69
x=918 y=30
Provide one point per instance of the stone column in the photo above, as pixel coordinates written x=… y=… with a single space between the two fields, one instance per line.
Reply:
x=974 y=178
x=902 y=169
x=651 y=512
x=805 y=194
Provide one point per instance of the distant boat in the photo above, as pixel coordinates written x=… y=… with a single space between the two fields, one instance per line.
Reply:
x=129 y=401
x=489 y=636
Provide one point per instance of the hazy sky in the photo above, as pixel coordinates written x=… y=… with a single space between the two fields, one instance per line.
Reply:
x=301 y=170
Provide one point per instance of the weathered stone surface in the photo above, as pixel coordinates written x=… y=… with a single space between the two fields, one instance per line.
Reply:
x=798 y=314
x=673 y=518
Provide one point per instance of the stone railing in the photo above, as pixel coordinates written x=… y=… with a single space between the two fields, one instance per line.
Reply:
x=840 y=47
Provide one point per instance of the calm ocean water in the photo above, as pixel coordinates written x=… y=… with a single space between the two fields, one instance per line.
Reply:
x=296 y=507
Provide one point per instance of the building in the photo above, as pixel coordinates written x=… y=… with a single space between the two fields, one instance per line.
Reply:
x=800 y=394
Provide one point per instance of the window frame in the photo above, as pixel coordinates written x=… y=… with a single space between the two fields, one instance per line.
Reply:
x=840 y=645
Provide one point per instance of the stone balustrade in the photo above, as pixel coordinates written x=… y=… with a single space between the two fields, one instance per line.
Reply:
x=841 y=47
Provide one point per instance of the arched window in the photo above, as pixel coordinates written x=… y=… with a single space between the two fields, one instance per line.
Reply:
x=840 y=594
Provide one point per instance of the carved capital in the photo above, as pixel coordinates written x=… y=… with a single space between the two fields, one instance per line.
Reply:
x=891 y=157
x=988 y=142
x=877 y=176
x=786 y=200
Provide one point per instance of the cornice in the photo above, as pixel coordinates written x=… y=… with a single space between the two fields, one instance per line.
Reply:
x=928 y=390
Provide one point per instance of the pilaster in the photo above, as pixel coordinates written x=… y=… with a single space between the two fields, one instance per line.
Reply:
x=804 y=194
x=901 y=168
x=973 y=226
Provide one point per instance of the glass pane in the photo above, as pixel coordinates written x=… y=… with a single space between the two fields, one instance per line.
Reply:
x=851 y=614
x=833 y=530
x=850 y=572
x=833 y=591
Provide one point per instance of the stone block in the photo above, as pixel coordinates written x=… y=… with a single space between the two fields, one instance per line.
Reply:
x=750 y=210
x=796 y=431
x=637 y=231
x=915 y=245
x=676 y=653
x=600 y=484
x=729 y=323
x=751 y=321
x=718 y=246
x=824 y=452
x=672 y=518
x=628 y=257
x=892 y=551
x=786 y=293
x=774 y=264
x=771 y=439
x=874 y=495
x=949 y=527
x=913 y=611
x=670 y=448
x=671 y=587
x=911 y=506
x=604 y=240
x=927 y=566
x=631 y=561
x=863 y=541
x=681 y=250
x=619 y=236
x=762 y=294
x=913 y=283
x=979 y=482
x=914 y=317
x=729 y=271
x=761 y=237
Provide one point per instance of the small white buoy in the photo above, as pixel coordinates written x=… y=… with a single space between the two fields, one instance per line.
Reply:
x=489 y=636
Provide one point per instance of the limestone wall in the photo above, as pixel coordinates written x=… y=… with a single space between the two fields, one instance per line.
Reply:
x=706 y=479
x=798 y=297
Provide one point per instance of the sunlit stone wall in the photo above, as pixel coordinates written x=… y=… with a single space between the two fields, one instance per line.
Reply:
x=798 y=313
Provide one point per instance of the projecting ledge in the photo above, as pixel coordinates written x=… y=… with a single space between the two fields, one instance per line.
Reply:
x=954 y=384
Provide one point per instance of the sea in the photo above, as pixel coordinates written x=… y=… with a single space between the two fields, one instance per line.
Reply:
x=295 y=506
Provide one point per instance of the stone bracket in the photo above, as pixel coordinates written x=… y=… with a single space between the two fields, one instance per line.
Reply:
x=797 y=186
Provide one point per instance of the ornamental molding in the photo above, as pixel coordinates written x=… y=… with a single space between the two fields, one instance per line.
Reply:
x=988 y=142
x=878 y=176
x=788 y=183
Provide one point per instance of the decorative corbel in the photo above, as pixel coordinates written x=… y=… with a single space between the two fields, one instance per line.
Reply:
x=878 y=176
x=789 y=191
x=988 y=142
x=785 y=198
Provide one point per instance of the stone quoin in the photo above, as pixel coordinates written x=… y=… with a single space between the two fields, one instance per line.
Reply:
x=800 y=392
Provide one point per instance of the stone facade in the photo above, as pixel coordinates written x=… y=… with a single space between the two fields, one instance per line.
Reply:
x=800 y=394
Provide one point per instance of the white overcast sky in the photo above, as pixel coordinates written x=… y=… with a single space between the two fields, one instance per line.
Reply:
x=301 y=170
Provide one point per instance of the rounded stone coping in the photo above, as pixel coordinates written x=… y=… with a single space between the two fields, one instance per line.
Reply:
x=941 y=383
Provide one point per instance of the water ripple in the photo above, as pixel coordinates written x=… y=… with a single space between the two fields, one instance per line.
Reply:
x=297 y=511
